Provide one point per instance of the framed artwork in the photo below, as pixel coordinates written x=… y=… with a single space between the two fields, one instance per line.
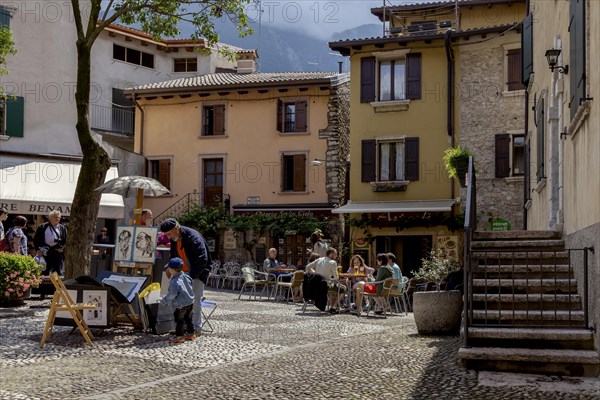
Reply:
x=136 y=244
x=98 y=316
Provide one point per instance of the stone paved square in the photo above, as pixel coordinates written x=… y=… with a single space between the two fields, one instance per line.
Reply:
x=259 y=350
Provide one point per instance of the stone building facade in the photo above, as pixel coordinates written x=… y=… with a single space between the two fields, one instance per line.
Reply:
x=492 y=127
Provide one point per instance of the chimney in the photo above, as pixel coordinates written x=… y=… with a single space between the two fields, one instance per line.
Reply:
x=246 y=62
x=340 y=66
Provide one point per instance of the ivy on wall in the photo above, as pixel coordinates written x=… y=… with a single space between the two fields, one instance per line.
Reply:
x=406 y=221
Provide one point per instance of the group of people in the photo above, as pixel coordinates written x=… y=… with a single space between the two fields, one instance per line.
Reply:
x=49 y=240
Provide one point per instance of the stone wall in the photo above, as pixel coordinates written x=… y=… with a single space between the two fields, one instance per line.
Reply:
x=485 y=111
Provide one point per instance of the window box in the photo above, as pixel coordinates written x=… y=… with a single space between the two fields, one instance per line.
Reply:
x=389 y=186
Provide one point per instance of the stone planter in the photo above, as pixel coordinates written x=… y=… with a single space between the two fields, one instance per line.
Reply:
x=437 y=313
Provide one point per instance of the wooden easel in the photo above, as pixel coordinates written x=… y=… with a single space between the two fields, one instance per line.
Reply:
x=61 y=301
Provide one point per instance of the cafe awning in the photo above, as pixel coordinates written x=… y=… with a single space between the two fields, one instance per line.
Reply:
x=395 y=206
x=31 y=185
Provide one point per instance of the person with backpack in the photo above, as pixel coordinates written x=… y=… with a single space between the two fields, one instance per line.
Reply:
x=52 y=234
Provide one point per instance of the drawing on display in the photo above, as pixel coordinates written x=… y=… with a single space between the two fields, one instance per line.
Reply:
x=145 y=244
x=98 y=315
x=124 y=243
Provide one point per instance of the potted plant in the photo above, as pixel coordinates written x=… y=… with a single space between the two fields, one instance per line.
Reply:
x=18 y=274
x=456 y=161
x=437 y=312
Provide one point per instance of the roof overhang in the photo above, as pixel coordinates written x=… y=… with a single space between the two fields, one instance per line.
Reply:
x=345 y=47
x=395 y=206
x=386 y=11
x=30 y=185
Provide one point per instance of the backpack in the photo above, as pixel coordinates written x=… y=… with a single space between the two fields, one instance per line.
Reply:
x=4 y=246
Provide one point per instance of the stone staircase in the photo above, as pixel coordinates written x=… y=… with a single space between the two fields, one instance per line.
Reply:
x=525 y=313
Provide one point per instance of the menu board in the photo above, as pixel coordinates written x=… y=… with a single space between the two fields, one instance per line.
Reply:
x=448 y=247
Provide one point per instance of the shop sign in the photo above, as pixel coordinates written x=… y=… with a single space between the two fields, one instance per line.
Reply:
x=229 y=242
x=448 y=247
x=361 y=243
x=500 y=224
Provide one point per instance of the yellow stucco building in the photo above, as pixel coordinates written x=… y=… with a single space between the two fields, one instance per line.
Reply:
x=248 y=140
x=406 y=93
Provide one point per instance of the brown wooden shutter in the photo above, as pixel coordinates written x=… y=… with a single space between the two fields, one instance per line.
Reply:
x=301 y=120
x=413 y=76
x=368 y=158
x=502 y=155
x=411 y=159
x=280 y=115
x=367 y=79
x=513 y=74
x=164 y=173
x=299 y=173
x=219 y=119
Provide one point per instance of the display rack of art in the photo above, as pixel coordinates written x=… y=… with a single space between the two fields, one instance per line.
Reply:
x=136 y=244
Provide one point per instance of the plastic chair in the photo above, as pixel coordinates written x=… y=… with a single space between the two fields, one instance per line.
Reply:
x=233 y=273
x=294 y=283
x=216 y=273
x=249 y=276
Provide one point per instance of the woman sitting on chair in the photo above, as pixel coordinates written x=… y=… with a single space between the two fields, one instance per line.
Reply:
x=384 y=272
x=358 y=267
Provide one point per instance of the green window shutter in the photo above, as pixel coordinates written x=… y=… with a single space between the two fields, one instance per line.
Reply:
x=411 y=159
x=368 y=157
x=367 y=79
x=15 y=113
x=577 y=57
x=527 y=49
x=541 y=172
x=4 y=17
x=413 y=76
x=502 y=155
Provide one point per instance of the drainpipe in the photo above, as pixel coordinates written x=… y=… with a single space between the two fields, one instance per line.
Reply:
x=450 y=106
x=141 y=123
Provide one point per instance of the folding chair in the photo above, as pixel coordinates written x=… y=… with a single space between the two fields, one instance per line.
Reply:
x=205 y=305
x=61 y=301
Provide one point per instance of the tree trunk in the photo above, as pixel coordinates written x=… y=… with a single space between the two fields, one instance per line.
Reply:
x=95 y=164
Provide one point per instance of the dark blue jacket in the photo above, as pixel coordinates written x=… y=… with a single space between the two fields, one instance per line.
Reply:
x=196 y=252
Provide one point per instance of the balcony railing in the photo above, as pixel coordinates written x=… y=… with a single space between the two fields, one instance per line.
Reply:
x=112 y=119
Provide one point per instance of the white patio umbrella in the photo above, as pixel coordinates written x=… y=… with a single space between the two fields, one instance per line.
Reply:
x=140 y=185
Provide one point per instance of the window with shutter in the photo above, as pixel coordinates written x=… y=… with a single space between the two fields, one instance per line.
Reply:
x=502 y=155
x=513 y=73
x=518 y=155
x=293 y=173
x=4 y=17
x=527 y=49
x=12 y=116
x=301 y=123
x=367 y=79
x=411 y=169
x=161 y=171
x=413 y=76
x=213 y=120
x=577 y=79
x=541 y=173
x=368 y=160
x=292 y=116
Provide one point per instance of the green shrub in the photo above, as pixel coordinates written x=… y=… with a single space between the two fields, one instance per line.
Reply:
x=18 y=273
x=436 y=268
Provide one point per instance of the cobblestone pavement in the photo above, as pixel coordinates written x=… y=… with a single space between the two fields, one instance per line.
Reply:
x=259 y=350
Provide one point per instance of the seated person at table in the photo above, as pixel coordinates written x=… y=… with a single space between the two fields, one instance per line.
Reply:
x=271 y=262
x=327 y=266
x=358 y=267
x=384 y=271
x=395 y=267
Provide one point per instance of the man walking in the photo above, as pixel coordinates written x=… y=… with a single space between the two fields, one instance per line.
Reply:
x=189 y=245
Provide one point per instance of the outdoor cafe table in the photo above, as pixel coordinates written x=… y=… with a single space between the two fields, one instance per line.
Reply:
x=349 y=282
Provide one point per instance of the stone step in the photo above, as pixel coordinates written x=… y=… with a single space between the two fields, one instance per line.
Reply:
x=530 y=245
x=484 y=257
x=564 y=285
x=527 y=298
x=515 y=235
x=509 y=271
x=543 y=361
x=582 y=335
x=528 y=315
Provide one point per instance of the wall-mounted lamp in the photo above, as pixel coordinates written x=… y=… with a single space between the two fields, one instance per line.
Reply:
x=317 y=161
x=552 y=57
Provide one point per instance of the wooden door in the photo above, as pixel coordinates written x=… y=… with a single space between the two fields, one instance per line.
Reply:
x=212 y=181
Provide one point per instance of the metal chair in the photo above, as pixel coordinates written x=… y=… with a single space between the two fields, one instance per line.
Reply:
x=249 y=276
x=295 y=282
x=398 y=293
x=383 y=297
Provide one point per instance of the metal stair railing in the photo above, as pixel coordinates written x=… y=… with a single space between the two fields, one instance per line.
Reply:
x=182 y=206
x=469 y=228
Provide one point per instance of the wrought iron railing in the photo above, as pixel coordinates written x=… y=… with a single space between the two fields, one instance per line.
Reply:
x=469 y=228
x=183 y=206
x=112 y=119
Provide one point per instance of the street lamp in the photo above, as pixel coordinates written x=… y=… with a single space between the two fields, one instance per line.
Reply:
x=552 y=57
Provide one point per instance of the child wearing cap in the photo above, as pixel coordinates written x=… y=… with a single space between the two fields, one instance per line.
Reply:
x=181 y=296
x=39 y=257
